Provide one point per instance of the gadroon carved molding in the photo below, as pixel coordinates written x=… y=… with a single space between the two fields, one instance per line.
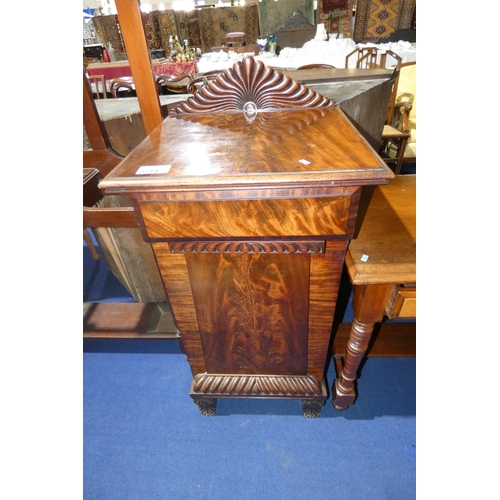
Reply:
x=248 y=247
x=296 y=386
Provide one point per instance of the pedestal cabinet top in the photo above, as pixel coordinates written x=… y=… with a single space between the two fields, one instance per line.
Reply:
x=293 y=146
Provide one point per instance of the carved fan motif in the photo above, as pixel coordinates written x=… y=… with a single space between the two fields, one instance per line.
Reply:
x=251 y=85
x=272 y=128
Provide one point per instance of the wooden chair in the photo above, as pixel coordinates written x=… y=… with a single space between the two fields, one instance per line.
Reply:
x=202 y=79
x=394 y=136
x=120 y=84
x=101 y=155
x=174 y=84
x=373 y=57
x=399 y=135
x=98 y=161
x=312 y=66
x=250 y=86
x=95 y=79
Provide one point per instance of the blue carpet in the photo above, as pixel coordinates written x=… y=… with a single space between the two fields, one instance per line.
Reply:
x=145 y=439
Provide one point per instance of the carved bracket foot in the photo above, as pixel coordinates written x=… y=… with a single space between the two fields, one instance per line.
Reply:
x=206 y=406
x=311 y=409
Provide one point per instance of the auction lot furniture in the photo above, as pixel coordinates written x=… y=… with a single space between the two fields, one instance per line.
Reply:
x=381 y=263
x=248 y=194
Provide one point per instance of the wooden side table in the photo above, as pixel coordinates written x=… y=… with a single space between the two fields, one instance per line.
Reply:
x=381 y=263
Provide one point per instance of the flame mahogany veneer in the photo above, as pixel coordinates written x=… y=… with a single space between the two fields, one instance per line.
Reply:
x=249 y=199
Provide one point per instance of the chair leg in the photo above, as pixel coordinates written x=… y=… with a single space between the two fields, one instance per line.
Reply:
x=90 y=244
x=401 y=153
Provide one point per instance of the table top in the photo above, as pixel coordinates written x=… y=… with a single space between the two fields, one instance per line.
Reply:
x=119 y=107
x=119 y=69
x=384 y=246
x=292 y=146
x=340 y=84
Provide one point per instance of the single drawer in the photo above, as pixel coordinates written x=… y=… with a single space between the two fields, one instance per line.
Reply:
x=246 y=218
x=402 y=302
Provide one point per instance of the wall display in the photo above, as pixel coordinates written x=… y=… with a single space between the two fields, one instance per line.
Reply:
x=108 y=31
x=151 y=25
x=377 y=19
x=337 y=16
x=188 y=26
x=273 y=15
x=203 y=29
x=215 y=24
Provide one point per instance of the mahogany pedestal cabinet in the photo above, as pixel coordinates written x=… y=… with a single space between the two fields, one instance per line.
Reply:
x=249 y=210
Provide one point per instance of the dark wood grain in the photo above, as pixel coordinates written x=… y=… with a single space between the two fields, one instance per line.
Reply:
x=91 y=193
x=252 y=310
x=323 y=290
x=247 y=218
x=225 y=150
x=174 y=272
x=251 y=82
x=109 y=217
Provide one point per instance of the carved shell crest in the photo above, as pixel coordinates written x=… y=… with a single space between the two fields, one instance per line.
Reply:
x=250 y=84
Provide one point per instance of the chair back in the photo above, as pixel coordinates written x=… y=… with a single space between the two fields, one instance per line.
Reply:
x=407 y=86
x=100 y=155
x=123 y=83
x=202 y=79
x=250 y=86
x=313 y=66
x=176 y=84
x=374 y=57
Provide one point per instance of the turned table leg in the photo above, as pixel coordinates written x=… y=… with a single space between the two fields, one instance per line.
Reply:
x=369 y=308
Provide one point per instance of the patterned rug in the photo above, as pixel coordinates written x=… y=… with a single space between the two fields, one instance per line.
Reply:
x=107 y=31
x=168 y=28
x=188 y=25
x=151 y=25
x=205 y=28
x=379 y=18
x=215 y=24
x=336 y=16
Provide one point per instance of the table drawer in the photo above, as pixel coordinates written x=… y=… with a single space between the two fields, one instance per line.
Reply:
x=402 y=302
x=247 y=218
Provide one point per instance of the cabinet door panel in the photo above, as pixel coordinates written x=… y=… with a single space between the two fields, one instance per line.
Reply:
x=252 y=311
